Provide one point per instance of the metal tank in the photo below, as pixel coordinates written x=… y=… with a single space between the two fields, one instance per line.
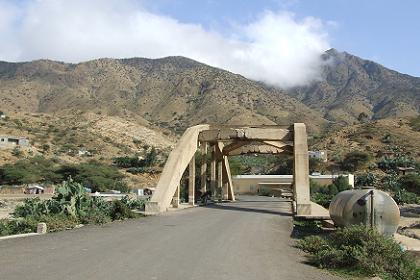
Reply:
x=366 y=206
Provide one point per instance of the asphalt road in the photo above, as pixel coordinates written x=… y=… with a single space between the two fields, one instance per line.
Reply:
x=249 y=239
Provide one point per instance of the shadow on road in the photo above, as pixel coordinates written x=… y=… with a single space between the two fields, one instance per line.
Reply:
x=281 y=208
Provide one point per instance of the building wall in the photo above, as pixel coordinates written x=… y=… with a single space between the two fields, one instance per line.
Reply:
x=11 y=142
x=254 y=184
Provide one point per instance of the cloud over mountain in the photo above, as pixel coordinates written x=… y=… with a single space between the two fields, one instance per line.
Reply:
x=276 y=47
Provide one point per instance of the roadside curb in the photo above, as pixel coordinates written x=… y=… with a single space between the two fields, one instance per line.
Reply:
x=40 y=230
x=19 y=236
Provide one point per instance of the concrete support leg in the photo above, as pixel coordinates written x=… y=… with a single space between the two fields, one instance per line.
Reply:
x=226 y=179
x=213 y=172
x=191 y=182
x=203 y=149
x=176 y=198
x=219 y=179
x=301 y=171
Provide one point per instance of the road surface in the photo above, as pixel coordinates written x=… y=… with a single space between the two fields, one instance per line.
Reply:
x=249 y=239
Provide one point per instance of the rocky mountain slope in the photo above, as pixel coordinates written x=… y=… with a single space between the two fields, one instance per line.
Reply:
x=351 y=86
x=173 y=92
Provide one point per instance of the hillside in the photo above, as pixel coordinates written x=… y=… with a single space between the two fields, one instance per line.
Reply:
x=374 y=137
x=173 y=92
x=351 y=86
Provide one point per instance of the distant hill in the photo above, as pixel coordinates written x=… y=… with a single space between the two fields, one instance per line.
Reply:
x=351 y=86
x=173 y=92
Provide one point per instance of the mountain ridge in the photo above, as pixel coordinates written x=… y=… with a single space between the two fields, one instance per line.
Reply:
x=176 y=92
x=351 y=86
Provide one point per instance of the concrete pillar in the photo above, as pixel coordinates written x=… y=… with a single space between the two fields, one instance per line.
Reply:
x=301 y=171
x=203 y=174
x=213 y=172
x=176 y=198
x=226 y=179
x=191 y=182
x=219 y=179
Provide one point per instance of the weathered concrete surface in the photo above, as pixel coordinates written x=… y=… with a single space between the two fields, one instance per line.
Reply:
x=243 y=240
x=175 y=166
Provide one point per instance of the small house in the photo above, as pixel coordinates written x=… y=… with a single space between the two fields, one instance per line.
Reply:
x=13 y=141
x=321 y=155
x=34 y=189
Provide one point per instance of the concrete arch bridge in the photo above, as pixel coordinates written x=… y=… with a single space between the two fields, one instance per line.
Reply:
x=224 y=141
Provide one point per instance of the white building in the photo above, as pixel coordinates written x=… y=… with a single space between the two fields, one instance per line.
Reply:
x=254 y=184
x=321 y=155
x=13 y=141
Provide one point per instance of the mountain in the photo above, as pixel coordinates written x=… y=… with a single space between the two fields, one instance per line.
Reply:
x=177 y=92
x=173 y=92
x=351 y=86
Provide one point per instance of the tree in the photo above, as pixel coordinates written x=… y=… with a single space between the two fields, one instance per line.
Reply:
x=355 y=160
x=34 y=170
x=342 y=183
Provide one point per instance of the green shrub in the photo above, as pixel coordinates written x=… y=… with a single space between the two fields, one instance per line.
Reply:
x=322 y=199
x=342 y=183
x=149 y=160
x=59 y=222
x=388 y=164
x=355 y=160
x=93 y=175
x=27 y=171
x=402 y=197
x=323 y=195
x=141 y=170
x=366 y=179
x=362 y=250
x=391 y=182
x=17 y=226
x=411 y=183
x=120 y=211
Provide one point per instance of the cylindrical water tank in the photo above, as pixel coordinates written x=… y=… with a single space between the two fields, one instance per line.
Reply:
x=366 y=206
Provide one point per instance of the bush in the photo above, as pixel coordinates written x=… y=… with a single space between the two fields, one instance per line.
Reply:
x=391 y=182
x=149 y=160
x=411 y=183
x=402 y=197
x=59 y=222
x=355 y=160
x=323 y=195
x=27 y=171
x=93 y=175
x=366 y=179
x=362 y=250
x=342 y=183
x=120 y=211
x=17 y=226
x=388 y=164
x=68 y=208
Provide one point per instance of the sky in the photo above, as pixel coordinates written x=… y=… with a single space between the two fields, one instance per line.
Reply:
x=275 y=41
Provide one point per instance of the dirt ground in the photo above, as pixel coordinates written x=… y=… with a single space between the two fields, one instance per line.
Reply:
x=410 y=221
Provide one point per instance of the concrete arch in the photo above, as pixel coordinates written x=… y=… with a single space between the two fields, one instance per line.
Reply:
x=223 y=141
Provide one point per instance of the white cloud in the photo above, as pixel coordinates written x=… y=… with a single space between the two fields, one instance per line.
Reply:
x=276 y=48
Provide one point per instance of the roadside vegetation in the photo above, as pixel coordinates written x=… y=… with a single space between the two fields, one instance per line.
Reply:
x=360 y=251
x=324 y=194
x=70 y=207
x=94 y=175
